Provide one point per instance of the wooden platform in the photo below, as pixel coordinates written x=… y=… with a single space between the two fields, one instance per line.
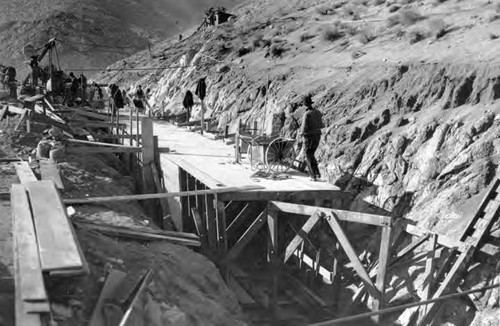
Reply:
x=212 y=162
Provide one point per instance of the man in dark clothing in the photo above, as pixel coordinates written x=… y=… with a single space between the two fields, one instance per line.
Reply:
x=140 y=93
x=312 y=123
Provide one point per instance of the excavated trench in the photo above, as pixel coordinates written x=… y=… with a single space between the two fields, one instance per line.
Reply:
x=418 y=140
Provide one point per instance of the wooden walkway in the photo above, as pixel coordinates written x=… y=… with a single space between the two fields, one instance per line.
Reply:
x=215 y=162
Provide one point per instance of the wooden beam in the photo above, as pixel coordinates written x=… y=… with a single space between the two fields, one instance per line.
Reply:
x=203 y=177
x=220 y=213
x=114 y=282
x=89 y=114
x=297 y=240
x=136 y=295
x=451 y=281
x=49 y=171
x=342 y=215
x=26 y=248
x=429 y=271
x=272 y=241
x=384 y=255
x=91 y=149
x=441 y=239
x=242 y=216
x=292 y=196
x=200 y=227
x=159 y=189
x=57 y=247
x=90 y=200
x=95 y=143
x=16 y=110
x=22 y=312
x=174 y=237
x=353 y=257
x=211 y=222
x=247 y=236
x=24 y=172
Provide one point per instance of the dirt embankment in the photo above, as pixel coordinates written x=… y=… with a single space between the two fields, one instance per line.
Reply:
x=185 y=288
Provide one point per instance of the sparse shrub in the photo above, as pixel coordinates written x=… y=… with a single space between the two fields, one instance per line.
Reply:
x=493 y=36
x=243 y=50
x=352 y=11
x=405 y=18
x=350 y=29
x=337 y=4
x=438 y=2
x=305 y=36
x=437 y=27
x=277 y=50
x=409 y=17
x=222 y=47
x=493 y=17
x=378 y=2
x=365 y=35
x=257 y=40
x=394 y=8
x=325 y=10
x=332 y=33
x=416 y=36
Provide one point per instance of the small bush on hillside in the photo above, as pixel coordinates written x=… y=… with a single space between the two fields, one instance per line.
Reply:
x=325 y=10
x=222 y=47
x=305 y=36
x=416 y=36
x=352 y=11
x=493 y=36
x=243 y=50
x=394 y=8
x=257 y=40
x=332 y=33
x=437 y=27
x=405 y=18
x=337 y=4
x=277 y=50
x=409 y=17
x=350 y=29
x=438 y=2
x=378 y=2
x=365 y=36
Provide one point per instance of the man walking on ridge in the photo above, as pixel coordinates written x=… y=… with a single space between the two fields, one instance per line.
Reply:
x=312 y=122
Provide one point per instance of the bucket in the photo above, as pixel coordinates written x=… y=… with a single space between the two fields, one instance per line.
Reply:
x=57 y=154
x=43 y=149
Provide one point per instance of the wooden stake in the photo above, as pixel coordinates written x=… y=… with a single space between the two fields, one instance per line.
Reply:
x=202 y=116
x=385 y=244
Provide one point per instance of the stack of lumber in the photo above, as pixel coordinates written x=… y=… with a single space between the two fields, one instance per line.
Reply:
x=44 y=244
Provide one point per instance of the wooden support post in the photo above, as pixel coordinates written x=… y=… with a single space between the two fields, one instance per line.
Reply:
x=220 y=212
x=237 y=153
x=131 y=127
x=429 y=272
x=200 y=227
x=148 y=185
x=202 y=116
x=385 y=246
x=137 y=132
x=211 y=222
x=191 y=185
x=272 y=256
x=184 y=204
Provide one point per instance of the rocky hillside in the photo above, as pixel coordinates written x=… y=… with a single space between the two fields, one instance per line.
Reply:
x=409 y=91
x=94 y=33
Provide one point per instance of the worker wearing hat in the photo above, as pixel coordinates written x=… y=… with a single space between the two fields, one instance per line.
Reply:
x=312 y=122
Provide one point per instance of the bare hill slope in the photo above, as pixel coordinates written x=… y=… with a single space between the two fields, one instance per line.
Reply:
x=93 y=33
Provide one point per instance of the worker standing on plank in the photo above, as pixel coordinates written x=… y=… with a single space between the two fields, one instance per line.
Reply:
x=312 y=122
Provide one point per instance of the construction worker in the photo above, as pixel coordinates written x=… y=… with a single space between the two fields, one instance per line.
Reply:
x=312 y=122
x=83 y=87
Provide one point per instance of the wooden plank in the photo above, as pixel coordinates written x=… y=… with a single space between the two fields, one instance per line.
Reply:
x=93 y=124
x=20 y=122
x=297 y=240
x=91 y=150
x=384 y=255
x=23 y=317
x=247 y=236
x=353 y=257
x=220 y=214
x=210 y=221
x=111 y=287
x=203 y=177
x=3 y=110
x=159 y=189
x=89 y=114
x=49 y=171
x=94 y=143
x=342 y=215
x=441 y=239
x=24 y=172
x=26 y=248
x=16 y=110
x=156 y=196
x=136 y=294
x=200 y=227
x=175 y=237
x=429 y=271
x=451 y=281
x=284 y=195
x=239 y=219
x=57 y=247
